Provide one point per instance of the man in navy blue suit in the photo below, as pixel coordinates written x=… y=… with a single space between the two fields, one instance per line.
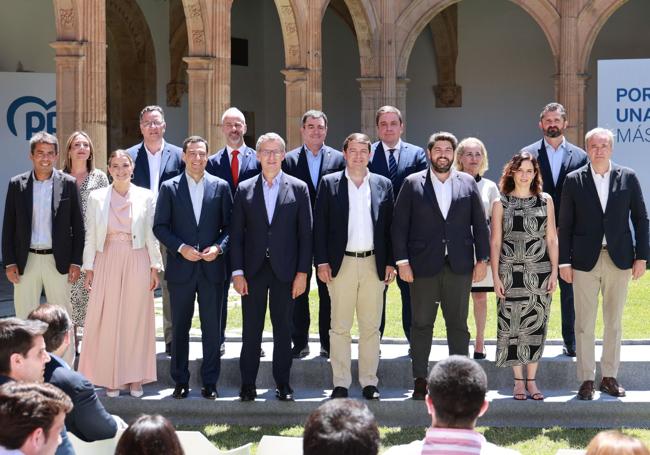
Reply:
x=396 y=159
x=234 y=163
x=309 y=163
x=557 y=157
x=156 y=161
x=271 y=254
x=352 y=247
x=192 y=220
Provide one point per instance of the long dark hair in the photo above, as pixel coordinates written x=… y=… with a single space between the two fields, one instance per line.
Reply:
x=507 y=181
x=149 y=435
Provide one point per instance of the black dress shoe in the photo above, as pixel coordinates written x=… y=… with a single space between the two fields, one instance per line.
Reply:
x=300 y=352
x=479 y=355
x=370 y=392
x=247 y=393
x=262 y=353
x=181 y=391
x=284 y=392
x=569 y=351
x=586 y=391
x=168 y=348
x=419 y=389
x=610 y=386
x=209 y=391
x=339 y=392
x=222 y=349
x=324 y=353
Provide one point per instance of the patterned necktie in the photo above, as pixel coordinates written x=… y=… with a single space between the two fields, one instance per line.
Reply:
x=392 y=166
x=234 y=167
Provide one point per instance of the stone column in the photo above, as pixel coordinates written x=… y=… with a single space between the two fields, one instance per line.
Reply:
x=221 y=72
x=571 y=83
x=400 y=98
x=387 y=60
x=200 y=74
x=370 y=101
x=296 y=82
x=69 y=59
x=314 y=56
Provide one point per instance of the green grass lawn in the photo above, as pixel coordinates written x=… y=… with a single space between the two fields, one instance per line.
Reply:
x=636 y=315
x=528 y=441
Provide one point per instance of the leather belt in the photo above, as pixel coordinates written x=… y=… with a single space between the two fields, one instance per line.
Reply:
x=360 y=254
x=37 y=251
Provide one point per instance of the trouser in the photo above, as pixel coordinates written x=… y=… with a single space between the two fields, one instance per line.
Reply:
x=301 y=318
x=613 y=282
x=406 y=308
x=166 y=310
x=264 y=283
x=356 y=287
x=568 y=313
x=451 y=291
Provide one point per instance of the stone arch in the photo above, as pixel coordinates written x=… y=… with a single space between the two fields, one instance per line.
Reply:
x=293 y=54
x=196 y=17
x=365 y=27
x=420 y=12
x=130 y=45
x=591 y=20
x=66 y=15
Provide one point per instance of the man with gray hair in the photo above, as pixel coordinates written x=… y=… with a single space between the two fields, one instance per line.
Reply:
x=310 y=163
x=598 y=253
x=271 y=254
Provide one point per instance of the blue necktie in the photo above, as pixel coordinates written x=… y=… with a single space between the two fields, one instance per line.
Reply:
x=392 y=166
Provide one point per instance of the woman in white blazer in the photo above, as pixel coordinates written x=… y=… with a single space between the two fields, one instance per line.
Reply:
x=121 y=260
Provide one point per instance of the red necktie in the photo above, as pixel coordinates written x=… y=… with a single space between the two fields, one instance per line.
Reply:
x=234 y=167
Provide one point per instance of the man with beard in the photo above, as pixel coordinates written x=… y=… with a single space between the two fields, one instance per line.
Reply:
x=438 y=229
x=557 y=157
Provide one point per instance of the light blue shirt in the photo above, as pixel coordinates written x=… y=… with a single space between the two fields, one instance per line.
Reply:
x=314 y=162
x=555 y=158
x=271 y=194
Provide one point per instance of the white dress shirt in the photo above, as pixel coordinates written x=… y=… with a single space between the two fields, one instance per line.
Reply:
x=443 y=192
x=229 y=150
x=602 y=188
x=397 y=148
x=42 y=213
x=196 y=195
x=155 y=161
x=555 y=158
x=360 y=230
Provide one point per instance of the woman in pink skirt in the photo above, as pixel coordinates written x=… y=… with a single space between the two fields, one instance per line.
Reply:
x=121 y=260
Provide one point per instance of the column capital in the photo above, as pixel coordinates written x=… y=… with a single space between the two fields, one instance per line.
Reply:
x=69 y=48
x=292 y=75
x=199 y=63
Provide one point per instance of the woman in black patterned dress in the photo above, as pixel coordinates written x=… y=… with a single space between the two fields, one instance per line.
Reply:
x=524 y=260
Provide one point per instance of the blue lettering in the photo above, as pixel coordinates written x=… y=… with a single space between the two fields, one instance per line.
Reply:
x=30 y=116
x=620 y=93
x=623 y=135
x=619 y=117
x=34 y=122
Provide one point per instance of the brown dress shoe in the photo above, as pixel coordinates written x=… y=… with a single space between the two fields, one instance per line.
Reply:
x=586 y=391
x=419 y=389
x=611 y=387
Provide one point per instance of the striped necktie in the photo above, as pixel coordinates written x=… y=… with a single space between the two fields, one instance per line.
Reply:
x=392 y=166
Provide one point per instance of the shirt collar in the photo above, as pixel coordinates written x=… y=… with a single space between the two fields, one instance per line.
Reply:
x=309 y=151
x=162 y=147
x=397 y=147
x=434 y=177
x=274 y=183
x=607 y=173
x=229 y=149
x=366 y=178
x=191 y=181
x=561 y=147
x=47 y=180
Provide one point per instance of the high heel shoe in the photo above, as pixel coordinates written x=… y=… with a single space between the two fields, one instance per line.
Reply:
x=519 y=396
x=136 y=393
x=112 y=393
x=537 y=396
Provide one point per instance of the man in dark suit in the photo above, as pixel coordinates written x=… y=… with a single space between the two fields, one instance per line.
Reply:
x=557 y=157
x=438 y=231
x=234 y=163
x=192 y=221
x=43 y=231
x=309 y=163
x=88 y=420
x=155 y=162
x=271 y=254
x=352 y=247
x=395 y=159
x=598 y=253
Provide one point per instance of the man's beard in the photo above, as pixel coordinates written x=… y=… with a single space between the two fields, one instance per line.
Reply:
x=553 y=131
x=441 y=169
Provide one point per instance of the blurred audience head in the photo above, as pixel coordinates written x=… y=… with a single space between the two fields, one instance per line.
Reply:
x=22 y=349
x=32 y=417
x=456 y=393
x=149 y=435
x=58 y=322
x=616 y=443
x=341 y=427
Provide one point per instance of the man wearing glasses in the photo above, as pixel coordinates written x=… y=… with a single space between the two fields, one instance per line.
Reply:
x=271 y=247
x=156 y=161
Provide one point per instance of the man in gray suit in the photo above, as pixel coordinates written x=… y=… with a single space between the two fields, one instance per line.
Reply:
x=438 y=229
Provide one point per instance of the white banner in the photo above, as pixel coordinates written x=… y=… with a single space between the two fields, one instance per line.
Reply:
x=624 y=108
x=27 y=106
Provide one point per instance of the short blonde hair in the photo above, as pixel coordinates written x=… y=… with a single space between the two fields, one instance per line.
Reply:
x=460 y=151
x=615 y=443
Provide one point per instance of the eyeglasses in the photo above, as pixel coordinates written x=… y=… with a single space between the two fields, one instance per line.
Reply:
x=237 y=126
x=268 y=153
x=155 y=123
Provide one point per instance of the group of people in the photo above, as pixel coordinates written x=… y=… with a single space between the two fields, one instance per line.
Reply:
x=265 y=219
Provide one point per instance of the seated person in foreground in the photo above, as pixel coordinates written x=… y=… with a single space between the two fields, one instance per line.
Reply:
x=455 y=399
x=149 y=435
x=614 y=442
x=341 y=427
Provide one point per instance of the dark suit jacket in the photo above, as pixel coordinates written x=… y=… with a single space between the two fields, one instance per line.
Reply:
x=219 y=165
x=88 y=420
x=420 y=233
x=411 y=159
x=583 y=223
x=574 y=158
x=67 y=222
x=288 y=237
x=175 y=224
x=170 y=166
x=331 y=221
x=295 y=163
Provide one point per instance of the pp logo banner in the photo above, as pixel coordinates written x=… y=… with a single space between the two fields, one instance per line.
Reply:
x=38 y=115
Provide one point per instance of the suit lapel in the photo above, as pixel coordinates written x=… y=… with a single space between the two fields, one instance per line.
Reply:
x=324 y=162
x=283 y=192
x=565 y=163
x=208 y=193
x=591 y=186
x=404 y=159
x=258 y=199
x=28 y=194
x=57 y=189
x=427 y=184
x=304 y=169
x=244 y=157
x=614 y=184
x=163 y=161
x=183 y=190
x=545 y=166
x=142 y=165
x=379 y=164
x=343 y=199
x=455 y=190
x=376 y=195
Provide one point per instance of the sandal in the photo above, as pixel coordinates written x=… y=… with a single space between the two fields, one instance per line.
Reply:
x=537 y=396
x=519 y=396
